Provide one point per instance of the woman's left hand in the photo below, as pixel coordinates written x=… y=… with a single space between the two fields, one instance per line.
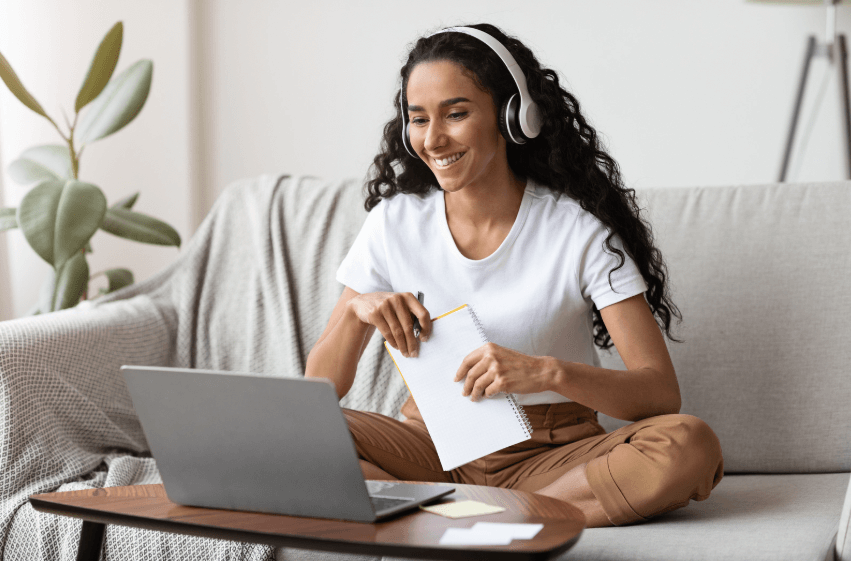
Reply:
x=492 y=369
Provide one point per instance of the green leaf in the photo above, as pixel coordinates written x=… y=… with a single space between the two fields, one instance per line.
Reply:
x=126 y=202
x=71 y=280
x=59 y=217
x=118 y=278
x=51 y=161
x=7 y=219
x=37 y=216
x=17 y=88
x=117 y=104
x=102 y=67
x=139 y=227
x=80 y=214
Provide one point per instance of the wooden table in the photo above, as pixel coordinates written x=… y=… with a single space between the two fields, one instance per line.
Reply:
x=410 y=535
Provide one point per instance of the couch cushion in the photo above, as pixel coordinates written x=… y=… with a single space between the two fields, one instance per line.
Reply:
x=760 y=274
x=754 y=517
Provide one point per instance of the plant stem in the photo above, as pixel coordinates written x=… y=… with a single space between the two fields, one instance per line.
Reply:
x=57 y=128
x=75 y=159
x=75 y=162
x=67 y=122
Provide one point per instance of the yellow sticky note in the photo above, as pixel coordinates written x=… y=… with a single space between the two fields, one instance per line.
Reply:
x=462 y=509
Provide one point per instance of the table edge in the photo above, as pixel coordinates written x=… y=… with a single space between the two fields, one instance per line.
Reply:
x=497 y=553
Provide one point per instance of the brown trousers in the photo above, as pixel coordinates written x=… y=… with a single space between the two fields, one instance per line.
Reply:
x=636 y=472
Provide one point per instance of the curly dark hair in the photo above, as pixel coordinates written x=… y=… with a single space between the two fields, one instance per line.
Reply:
x=566 y=156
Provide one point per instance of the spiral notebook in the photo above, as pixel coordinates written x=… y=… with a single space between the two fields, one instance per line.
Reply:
x=462 y=430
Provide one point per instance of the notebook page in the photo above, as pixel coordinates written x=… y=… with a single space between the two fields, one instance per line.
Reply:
x=462 y=430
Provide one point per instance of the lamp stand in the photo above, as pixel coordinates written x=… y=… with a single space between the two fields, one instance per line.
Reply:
x=840 y=50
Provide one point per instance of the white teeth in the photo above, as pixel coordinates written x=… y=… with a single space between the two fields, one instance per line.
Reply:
x=450 y=159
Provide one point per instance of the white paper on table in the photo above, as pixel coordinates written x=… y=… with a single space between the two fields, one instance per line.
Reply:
x=516 y=531
x=468 y=536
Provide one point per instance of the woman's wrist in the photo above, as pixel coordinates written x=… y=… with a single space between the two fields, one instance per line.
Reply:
x=350 y=315
x=555 y=372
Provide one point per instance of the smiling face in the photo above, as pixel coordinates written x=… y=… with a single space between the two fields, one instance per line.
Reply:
x=454 y=127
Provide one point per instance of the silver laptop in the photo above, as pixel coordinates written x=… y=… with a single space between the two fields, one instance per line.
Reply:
x=245 y=442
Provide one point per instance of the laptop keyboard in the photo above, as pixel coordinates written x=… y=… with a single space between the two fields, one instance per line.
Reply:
x=383 y=503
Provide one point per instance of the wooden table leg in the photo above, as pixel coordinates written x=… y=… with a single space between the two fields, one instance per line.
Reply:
x=91 y=541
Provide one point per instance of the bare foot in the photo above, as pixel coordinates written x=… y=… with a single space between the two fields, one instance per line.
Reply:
x=572 y=487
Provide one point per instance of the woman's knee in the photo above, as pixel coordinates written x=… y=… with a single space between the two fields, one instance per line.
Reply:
x=694 y=447
x=697 y=434
x=677 y=459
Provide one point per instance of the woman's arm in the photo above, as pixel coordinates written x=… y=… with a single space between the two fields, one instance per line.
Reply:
x=648 y=388
x=649 y=385
x=336 y=354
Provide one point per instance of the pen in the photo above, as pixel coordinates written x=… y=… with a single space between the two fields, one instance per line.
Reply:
x=417 y=327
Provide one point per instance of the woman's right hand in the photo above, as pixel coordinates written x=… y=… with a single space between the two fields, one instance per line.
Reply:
x=390 y=313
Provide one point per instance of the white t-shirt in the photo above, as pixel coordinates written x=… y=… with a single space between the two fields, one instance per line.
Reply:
x=533 y=294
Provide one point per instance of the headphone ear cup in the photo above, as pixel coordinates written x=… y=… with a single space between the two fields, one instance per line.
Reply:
x=503 y=128
x=509 y=121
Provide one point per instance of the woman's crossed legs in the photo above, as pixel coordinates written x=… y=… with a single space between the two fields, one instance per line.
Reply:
x=629 y=475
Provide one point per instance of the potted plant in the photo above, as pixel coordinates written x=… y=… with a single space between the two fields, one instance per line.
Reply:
x=59 y=214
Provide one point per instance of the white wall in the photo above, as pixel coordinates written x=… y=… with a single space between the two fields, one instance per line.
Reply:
x=50 y=44
x=695 y=92
x=684 y=92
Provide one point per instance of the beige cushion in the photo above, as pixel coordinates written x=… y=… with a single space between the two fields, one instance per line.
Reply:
x=753 y=517
x=762 y=276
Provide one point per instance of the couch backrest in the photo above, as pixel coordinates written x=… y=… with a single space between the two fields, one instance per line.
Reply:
x=762 y=276
x=760 y=273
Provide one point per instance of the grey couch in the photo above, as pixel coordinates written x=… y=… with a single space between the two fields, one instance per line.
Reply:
x=760 y=273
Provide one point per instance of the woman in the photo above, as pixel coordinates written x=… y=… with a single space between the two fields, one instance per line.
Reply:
x=525 y=229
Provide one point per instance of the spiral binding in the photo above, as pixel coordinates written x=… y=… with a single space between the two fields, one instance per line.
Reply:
x=518 y=409
x=478 y=325
x=521 y=414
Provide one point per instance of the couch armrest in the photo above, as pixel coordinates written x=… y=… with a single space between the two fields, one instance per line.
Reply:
x=63 y=403
x=843 y=535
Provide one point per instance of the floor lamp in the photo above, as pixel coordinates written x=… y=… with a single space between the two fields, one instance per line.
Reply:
x=835 y=49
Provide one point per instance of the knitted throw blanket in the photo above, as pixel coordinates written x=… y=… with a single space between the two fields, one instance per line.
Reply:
x=252 y=292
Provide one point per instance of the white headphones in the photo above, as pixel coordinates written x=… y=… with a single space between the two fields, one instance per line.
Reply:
x=519 y=118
